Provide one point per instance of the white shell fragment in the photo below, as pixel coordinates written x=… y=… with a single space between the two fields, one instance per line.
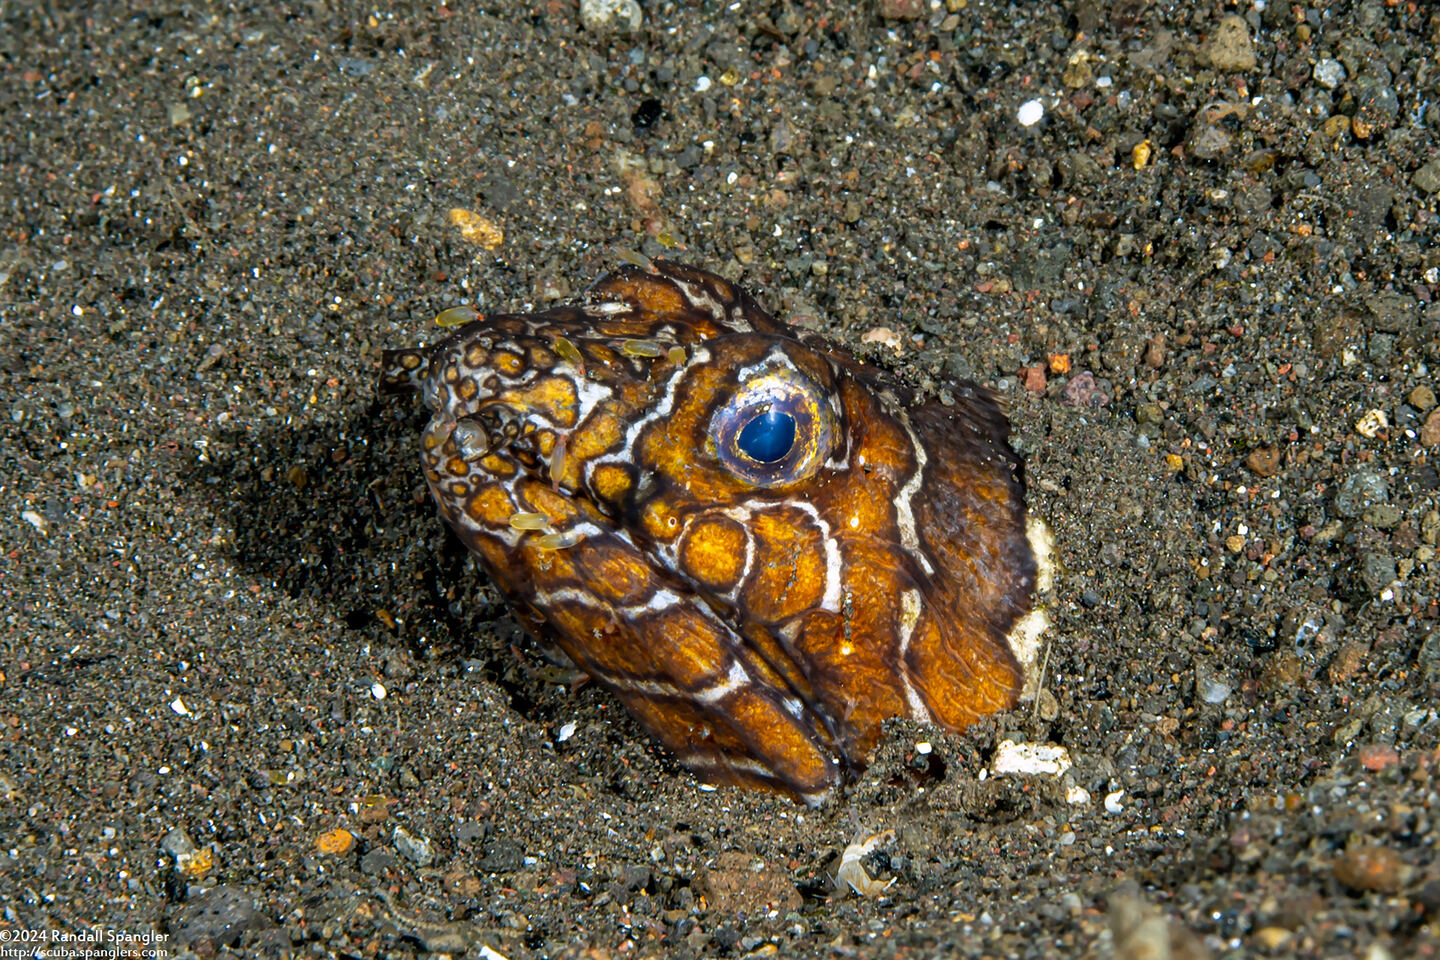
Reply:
x=610 y=16
x=1372 y=423
x=852 y=872
x=1031 y=759
x=1030 y=113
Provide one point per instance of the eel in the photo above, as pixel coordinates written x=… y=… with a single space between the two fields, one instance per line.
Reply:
x=762 y=546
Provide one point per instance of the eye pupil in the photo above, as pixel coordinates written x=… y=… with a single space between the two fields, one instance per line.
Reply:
x=768 y=437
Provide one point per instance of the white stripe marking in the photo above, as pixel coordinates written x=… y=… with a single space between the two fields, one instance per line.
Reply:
x=701 y=298
x=904 y=512
x=910 y=603
x=733 y=680
x=627 y=449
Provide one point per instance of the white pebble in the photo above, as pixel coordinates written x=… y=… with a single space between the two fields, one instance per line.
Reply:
x=1328 y=73
x=1031 y=759
x=1214 y=691
x=377 y=690
x=606 y=16
x=1030 y=113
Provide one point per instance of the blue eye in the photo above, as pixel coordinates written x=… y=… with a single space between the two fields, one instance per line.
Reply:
x=778 y=424
x=768 y=437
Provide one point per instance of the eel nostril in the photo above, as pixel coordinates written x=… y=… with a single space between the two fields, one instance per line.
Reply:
x=471 y=440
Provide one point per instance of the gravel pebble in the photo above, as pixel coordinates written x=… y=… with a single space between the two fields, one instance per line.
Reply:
x=1329 y=73
x=1231 y=47
x=1370 y=867
x=1359 y=490
x=1427 y=177
x=1377 y=756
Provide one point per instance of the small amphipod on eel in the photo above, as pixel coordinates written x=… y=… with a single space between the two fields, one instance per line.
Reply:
x=762 y=546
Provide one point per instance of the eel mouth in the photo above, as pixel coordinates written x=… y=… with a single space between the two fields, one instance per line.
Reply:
x=512 y=399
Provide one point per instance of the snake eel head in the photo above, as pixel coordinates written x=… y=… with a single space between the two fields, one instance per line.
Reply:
x=762 y=546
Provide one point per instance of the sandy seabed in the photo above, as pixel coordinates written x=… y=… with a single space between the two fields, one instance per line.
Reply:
x=255 y=699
